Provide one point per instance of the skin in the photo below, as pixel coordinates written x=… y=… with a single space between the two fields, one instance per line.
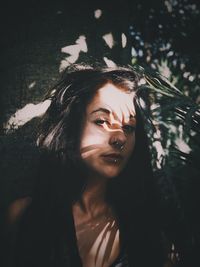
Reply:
x=110 y=117
x=97 y=231
x=107 y=141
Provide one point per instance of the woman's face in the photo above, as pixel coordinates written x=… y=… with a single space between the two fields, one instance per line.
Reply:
x=108 y=133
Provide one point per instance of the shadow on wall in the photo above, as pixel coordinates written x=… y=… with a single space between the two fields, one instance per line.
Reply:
x=53 y=37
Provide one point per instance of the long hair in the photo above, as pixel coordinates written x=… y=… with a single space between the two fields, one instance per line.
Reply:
x=59 y=179
x=59 y=134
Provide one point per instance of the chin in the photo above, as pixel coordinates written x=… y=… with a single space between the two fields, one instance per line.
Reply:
x=104 y=171
x=110 y=173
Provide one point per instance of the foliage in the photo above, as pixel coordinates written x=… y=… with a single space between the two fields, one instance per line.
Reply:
x=162 y=39
x=173 y=126
x=164 y=36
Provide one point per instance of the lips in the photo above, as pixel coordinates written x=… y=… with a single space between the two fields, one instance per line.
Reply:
x=112 y=158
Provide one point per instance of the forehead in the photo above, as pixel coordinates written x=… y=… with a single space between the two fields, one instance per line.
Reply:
x=116 y=100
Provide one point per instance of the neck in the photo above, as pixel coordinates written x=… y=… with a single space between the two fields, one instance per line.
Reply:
x=92 y=201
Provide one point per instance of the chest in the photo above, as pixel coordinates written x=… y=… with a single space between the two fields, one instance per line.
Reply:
x=98 y=242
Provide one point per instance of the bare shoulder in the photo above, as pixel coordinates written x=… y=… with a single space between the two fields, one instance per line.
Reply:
x=12 y=219
x=16 y=209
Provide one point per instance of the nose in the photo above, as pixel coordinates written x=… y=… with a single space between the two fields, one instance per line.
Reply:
x=118 y=140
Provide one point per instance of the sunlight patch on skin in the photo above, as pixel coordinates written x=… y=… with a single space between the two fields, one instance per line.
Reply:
x=108 y=38
x=103 y=245
x=73 y=51
x=96 y=244
x=87 y=151
x=89 y=148
x=124 y=40
x=91 y=151
x=115 y=243
x=98 y=240
x=27 y=113
x=98 y=13
x=119 y=113
x=105 y=123
x=109 y=92
x=102 y=249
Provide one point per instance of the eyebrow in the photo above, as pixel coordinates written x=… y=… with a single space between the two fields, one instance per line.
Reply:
x=107 y=111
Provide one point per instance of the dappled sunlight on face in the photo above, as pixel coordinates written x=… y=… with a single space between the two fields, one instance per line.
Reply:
x=108 y=133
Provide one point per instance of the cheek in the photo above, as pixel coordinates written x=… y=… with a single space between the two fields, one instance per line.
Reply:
x=91 y=136
x=92 y=140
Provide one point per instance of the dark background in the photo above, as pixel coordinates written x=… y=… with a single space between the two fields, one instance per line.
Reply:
x=161 y=36
x=33 y=33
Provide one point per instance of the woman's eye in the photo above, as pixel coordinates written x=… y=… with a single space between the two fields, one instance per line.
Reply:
x=128 y=128
x=100 y=121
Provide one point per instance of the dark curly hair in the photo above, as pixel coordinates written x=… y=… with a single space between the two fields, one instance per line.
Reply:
x=61 y=124
x=60 y=180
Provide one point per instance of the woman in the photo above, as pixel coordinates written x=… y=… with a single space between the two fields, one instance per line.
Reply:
x=95 y=202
